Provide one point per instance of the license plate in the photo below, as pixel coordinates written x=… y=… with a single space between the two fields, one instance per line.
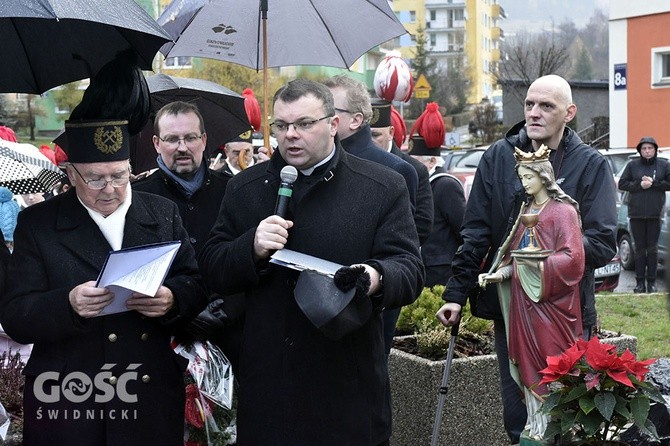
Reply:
x=611 y=269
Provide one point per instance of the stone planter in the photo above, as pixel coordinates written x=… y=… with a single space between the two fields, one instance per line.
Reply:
x=472 y=414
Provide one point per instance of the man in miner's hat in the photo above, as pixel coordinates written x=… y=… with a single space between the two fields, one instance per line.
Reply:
x=95 y=378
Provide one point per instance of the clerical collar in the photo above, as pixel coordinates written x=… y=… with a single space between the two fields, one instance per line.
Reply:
x=309 y=171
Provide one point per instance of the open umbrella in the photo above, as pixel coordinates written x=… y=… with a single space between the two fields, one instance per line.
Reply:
x=46 y=43
x=222 y=110
x=297 y=32
x=24 y=170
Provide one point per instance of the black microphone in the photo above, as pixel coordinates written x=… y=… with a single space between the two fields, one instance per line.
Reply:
x=288 y=176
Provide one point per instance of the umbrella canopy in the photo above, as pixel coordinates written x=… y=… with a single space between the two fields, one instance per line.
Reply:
x=222 y=110
x=24 y=170
x=296 y=32
x=299 y=32
x=47 y=43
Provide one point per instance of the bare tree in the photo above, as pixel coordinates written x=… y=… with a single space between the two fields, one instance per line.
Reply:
x=528 y=56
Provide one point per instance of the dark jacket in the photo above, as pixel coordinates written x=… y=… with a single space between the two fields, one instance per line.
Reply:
x=198 y=213
x=646 y=203
x=423 y=216
x=58 y=246
x=298 y=386
x=361 y=145
x=449 y=200
x=496 y=198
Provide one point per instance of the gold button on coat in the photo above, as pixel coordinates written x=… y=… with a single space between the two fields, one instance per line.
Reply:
x=146 y=378
x=113 y=380
x=112 y=337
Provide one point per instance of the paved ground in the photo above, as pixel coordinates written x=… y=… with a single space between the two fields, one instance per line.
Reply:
x=627 y=282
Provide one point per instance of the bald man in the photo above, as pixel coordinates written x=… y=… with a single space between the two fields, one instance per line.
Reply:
x=495 y=200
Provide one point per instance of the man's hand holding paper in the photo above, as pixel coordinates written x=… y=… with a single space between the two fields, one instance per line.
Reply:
x=87 y=300
x=152 y=306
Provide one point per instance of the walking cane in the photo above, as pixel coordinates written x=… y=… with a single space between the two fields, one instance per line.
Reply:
x=443 y=387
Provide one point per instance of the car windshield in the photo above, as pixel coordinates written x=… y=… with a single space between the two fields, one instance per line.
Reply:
x=469 y=160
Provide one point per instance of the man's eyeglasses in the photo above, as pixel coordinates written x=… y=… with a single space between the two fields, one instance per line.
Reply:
x=344 y=110
x=303 y=125
x=101 y=183
x=190 y=141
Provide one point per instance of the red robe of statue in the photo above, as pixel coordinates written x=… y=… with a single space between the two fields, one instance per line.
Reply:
x=545 y=311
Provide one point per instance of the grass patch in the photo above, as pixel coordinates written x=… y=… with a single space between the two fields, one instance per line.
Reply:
x=644 y=316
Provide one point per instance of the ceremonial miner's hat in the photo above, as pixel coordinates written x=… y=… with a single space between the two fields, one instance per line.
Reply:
x=381 y=113
x=98 y=141
x=427 y=134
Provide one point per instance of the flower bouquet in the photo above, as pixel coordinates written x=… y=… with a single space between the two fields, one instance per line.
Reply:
x=596 y=394
x=209 y=413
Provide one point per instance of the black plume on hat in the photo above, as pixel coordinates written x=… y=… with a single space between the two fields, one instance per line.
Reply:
x=118 y=91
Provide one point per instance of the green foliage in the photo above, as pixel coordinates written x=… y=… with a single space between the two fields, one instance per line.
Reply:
x=644 y=316
x=596 y=394
x=68 y=96
x=431 y=336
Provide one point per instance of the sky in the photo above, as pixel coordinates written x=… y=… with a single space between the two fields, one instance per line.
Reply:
x=538 y=14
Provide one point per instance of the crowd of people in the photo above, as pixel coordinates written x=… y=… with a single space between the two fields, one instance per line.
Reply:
x=391 y=221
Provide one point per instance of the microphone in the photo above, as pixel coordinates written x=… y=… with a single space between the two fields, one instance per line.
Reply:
x=288 y=176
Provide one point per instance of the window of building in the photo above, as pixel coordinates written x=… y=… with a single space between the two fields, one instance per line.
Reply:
x=660 y=67
x=433 y=15
x=433 y=40
x=412 y=16
x=178 y=62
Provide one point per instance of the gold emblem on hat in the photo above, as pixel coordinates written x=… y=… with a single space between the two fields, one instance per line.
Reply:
x=108 y=140
x=245 y=135
x=375 y=115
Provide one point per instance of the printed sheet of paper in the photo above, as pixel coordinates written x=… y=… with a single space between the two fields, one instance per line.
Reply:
x=140 y=269
x=299 y=261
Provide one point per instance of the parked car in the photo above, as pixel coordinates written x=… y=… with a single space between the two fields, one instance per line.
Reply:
x=465 y=166
x=617 y=158
x=607 y=277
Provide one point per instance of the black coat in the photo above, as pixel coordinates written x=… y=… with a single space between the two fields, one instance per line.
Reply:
x=57 y=247
x=423 y=216
x=298 y=387
x=496 y=198
x=449 y=199
x=361 y=145
x=646 y=203
x=198 y=213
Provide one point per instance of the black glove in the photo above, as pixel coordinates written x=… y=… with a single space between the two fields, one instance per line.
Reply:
x=349 y=277
x=209 y=322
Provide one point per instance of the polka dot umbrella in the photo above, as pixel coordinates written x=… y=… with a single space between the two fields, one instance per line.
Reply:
x=24 y=170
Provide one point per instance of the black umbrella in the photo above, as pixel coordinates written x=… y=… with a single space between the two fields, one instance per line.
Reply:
x=221 y=108
x=47 y=43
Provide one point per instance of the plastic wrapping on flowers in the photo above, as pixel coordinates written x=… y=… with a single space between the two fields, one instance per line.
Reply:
x=209 y=413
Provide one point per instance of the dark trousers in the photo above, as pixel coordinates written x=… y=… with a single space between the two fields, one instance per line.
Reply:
x=645 y=236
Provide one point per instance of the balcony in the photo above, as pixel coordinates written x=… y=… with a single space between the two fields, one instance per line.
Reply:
x=497 y=12
x=495 y=55
x=497 y=33
x=445 y=3
x=444 y=25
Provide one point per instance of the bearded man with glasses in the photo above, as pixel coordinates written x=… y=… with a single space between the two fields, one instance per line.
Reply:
x=301 y=385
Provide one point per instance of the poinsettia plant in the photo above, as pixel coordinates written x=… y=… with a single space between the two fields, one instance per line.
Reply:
x=596 y=394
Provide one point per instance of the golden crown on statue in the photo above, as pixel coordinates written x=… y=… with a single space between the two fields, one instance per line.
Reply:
x=541 y=154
